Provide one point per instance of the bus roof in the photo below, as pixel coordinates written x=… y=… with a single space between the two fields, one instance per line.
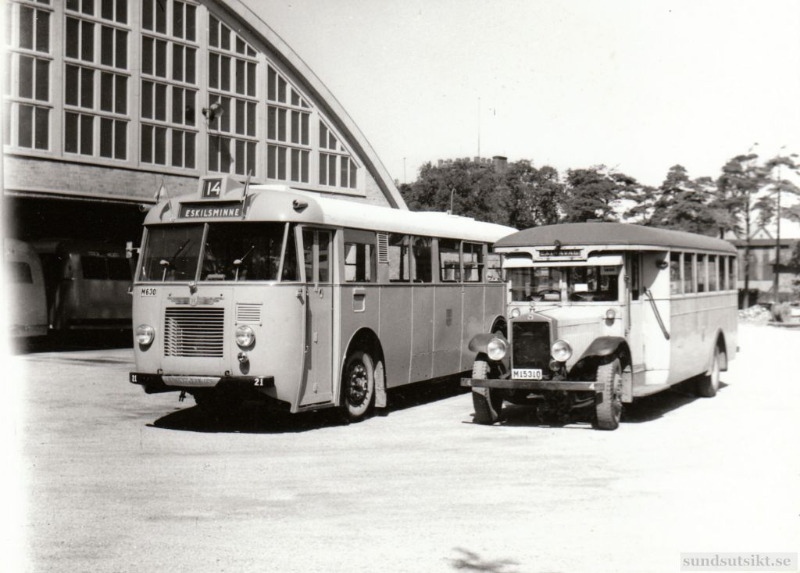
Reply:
x=282 y=203
x=614 y=236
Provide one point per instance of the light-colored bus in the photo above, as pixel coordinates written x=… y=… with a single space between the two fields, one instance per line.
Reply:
x=307 y=301
x=602 y=313
x=24 y=297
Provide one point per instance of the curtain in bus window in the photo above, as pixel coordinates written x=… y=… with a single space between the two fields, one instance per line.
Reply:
x=473 y=262
x=688 y=273
x=701 y=273
x=712 y=273
x=423 y=273
x=242 y=252
x=494 y=271
x=171 y=253
x=675 y=286
x=399 y=267
x=449 y=262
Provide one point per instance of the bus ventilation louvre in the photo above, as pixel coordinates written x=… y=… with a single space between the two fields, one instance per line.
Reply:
x=194 y=332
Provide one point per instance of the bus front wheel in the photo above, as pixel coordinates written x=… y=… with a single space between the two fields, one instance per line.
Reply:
x=358 y=386
x=488 y=402
x=608 y=404
x=708 y=384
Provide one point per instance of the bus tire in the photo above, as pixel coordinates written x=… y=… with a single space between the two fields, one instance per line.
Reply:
x=708 y=384
x=608 y=402
x=358 y=386
x=488 y=402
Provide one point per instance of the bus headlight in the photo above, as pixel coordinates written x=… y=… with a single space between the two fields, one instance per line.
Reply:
x=496 y=349
x=561 y=350
x=515 y=312
x=145 y=334
x=245 y=337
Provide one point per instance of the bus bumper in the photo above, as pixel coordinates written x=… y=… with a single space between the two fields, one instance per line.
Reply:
x=156 y=383
x=564 y=385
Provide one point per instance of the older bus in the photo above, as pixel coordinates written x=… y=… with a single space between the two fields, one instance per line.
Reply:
x=602 y=313
x=310 y=302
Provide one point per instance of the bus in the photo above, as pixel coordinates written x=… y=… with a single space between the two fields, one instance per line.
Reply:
x=306 y=302
x=86 y=284
x=602 y=313
x=25 y=307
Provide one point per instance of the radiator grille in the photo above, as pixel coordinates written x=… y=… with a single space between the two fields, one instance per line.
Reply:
x=194 y=332
x=250 y=313
x=530 y=345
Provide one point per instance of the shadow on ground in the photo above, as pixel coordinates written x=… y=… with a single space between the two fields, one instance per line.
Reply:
x=253 y=417
x=642 y=410
x=471 y=561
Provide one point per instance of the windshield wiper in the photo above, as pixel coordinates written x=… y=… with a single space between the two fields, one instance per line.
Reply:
x=238 y=262
x=168 y=263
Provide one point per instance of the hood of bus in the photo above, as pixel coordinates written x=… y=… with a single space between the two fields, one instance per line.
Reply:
x=577 y=324
x=195 y=330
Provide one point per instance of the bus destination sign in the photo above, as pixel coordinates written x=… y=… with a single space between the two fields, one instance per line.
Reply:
x=561 y=253
x=224 y=210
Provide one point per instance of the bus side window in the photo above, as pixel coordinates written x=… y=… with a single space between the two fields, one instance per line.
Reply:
x=308 y=254
x=422 y=260
x=324 y=250
x=635 y=276
x=358 y=263
x=493 y=271
x=731 y=273
x=449 y=261
x=473 y=262
x=713 y=275
x=675 y=286
x=701 y=273
x=688 y=273
x=290 y=258
x=399 y=267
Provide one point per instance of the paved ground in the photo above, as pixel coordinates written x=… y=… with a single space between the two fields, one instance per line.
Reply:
x=115 y=480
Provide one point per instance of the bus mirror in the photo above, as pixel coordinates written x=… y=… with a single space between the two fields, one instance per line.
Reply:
x=662 y=264
x=299 y=205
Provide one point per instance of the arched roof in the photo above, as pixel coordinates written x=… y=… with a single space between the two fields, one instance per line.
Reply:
x=622 y=235
x=323 y=98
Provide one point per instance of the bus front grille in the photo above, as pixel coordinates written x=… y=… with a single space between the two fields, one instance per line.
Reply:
x=530 y=345
x=194 y=332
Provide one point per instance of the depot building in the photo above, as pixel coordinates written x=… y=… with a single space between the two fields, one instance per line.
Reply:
x=107 y=101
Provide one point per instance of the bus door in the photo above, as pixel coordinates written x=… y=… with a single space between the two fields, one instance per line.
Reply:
x=649 y=313
x=318 y=374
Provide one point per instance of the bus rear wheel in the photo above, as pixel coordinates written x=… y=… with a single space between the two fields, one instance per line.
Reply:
x=608 y=402
x=708 y=384
x=488 y=402
x=358 y=386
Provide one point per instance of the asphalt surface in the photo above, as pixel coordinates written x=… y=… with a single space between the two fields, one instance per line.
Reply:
x=111 y=479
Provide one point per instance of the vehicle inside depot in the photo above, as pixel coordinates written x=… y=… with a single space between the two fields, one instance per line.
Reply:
x=600 y=314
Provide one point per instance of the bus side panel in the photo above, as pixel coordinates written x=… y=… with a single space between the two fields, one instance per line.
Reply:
x=25 y=304
x=360 y=308
x=695 y=321
x=494 y=304
x=422 y=333
x=447 y=329
x=474 y=312
x=395 y=332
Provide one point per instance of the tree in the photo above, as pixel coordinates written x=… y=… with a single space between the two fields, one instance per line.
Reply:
x=533 y=194
x=463 y=186
x=594 y=193
x=684 y=204
x=742 y=178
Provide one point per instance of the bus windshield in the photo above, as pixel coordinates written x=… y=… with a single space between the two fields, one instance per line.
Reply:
x=232 y=252
x=582 y=283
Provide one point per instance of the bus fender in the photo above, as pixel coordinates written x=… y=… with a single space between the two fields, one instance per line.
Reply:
x=719 y=342
x=480 y=342
x=603 y=346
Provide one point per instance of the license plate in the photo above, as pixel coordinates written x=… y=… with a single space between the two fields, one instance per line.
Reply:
x=526 y=373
